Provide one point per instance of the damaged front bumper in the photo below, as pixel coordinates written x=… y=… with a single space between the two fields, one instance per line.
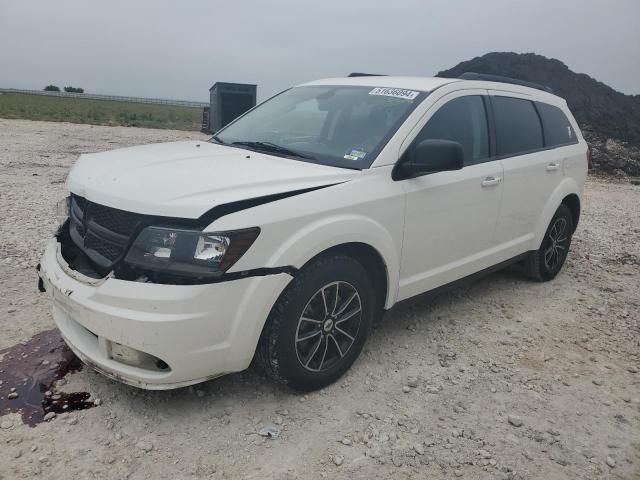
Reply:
x=157 y=336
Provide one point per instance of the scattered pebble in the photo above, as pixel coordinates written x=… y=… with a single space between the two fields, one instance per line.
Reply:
x=338 y=460
x=144 y=445
x=611 y=462
x=12 y=395
x=406 y=389
x=412 y=382
x=418 y=448
x=269 y=431
x=346 y=441
x=49 y=416
x=515 y=420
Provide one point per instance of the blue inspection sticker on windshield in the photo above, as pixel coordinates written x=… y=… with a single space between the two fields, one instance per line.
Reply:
x=355 y=155
x=395 y=92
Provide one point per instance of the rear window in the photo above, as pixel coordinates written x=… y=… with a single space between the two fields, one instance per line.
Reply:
x=518 y=128
x=557 y=128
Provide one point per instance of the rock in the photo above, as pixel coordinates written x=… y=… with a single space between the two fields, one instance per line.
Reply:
x=73 y=421
x=406 y=389
x=457 y=473
x=632 y=369
x=346 y=441
x=554 y=432
x=97 y=402
x=514 y=420
x=611 y=462
x=338 y=460
x=432 y=389
x=484 y=453
x=6 y=425
x=596 y=382
x=269 y=431
x=144 y=445
x=49 y=416
x=412 y=382
x=17 y=454
x=12 y=395
x=282 y=411
x=418 y=448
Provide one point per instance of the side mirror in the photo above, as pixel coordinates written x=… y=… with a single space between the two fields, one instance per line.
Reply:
x=431 y=156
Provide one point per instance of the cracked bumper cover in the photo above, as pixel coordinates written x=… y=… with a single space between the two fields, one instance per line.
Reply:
x=199 y=331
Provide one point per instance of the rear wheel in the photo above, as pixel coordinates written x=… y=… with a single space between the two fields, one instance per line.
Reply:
x=545 y=263
x=319 y=325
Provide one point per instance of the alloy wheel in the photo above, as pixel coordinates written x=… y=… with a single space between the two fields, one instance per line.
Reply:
x=328 y=326
x=557 y=244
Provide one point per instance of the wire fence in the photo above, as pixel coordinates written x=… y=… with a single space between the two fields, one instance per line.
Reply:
x=113 y=98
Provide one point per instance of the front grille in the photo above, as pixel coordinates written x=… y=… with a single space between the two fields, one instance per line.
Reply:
x=102 y=233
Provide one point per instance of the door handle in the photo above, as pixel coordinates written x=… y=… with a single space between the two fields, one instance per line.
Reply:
x=552 y=167
x=491 y=181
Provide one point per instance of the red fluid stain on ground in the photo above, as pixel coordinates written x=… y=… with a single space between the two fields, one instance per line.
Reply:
x=32 y=368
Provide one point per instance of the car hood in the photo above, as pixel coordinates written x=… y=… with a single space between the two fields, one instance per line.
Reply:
x=186 y=179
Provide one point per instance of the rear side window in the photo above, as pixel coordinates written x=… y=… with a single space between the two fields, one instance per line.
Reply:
x=518 y=128
x=557 y=128
x=461 y=120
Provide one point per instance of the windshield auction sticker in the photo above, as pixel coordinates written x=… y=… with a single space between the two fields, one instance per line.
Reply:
x=395 y=92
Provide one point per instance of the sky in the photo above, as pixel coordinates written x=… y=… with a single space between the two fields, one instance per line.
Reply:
x=178 y=49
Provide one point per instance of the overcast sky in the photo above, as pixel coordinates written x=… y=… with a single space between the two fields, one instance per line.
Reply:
x=178 y=49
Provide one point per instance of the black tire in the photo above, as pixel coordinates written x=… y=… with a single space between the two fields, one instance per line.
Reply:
x=288 y=339
x=544 y=264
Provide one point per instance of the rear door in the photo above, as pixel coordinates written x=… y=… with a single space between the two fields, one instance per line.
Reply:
x=450 y=216
x=531 y=172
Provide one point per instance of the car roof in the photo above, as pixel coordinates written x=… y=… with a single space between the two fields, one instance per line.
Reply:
x=428 y=84
x=424 y=84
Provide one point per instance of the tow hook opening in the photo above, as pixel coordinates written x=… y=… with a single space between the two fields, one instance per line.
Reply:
x=41 y=288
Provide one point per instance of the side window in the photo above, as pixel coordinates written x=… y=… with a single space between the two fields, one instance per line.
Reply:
x=518 y=128
x=557 y=128
x=462 y=120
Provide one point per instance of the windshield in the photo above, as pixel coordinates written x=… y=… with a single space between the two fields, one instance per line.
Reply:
x=343 y=126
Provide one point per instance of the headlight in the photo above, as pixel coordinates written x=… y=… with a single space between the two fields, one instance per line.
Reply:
x=189 y=252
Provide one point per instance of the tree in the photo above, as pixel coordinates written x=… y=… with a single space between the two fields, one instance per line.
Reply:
x=73 y=90
x=51 y=88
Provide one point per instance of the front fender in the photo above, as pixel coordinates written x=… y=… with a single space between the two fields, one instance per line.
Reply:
x=333 y=231
x=566 y=187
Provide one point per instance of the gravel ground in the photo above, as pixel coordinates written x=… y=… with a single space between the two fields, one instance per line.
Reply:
x=501 y=379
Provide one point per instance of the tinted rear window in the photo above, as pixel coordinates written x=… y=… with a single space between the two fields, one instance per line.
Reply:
x=557 y=128
x=518 y=127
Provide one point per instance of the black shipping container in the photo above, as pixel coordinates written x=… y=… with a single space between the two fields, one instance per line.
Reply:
x=228 y=101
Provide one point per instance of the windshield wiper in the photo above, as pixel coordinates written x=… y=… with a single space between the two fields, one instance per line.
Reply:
x=273 y=148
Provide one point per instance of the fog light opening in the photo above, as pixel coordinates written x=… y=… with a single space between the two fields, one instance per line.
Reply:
x=162 y=365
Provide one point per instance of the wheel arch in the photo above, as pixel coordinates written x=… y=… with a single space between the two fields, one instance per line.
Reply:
x=357 y=236
x=572 y=201
x=568 y=193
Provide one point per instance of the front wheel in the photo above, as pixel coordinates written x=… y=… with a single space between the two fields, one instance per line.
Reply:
x=319 y=324
x=545 y=263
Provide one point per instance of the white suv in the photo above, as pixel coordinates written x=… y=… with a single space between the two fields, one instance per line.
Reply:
x=285 y=235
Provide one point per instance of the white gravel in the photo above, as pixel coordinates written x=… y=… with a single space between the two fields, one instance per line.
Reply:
x=501 y=348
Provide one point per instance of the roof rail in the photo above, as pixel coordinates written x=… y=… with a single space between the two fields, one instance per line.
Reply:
x=498 y=78
x=358 y=74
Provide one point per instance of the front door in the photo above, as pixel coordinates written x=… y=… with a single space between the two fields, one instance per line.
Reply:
x=450 y=217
